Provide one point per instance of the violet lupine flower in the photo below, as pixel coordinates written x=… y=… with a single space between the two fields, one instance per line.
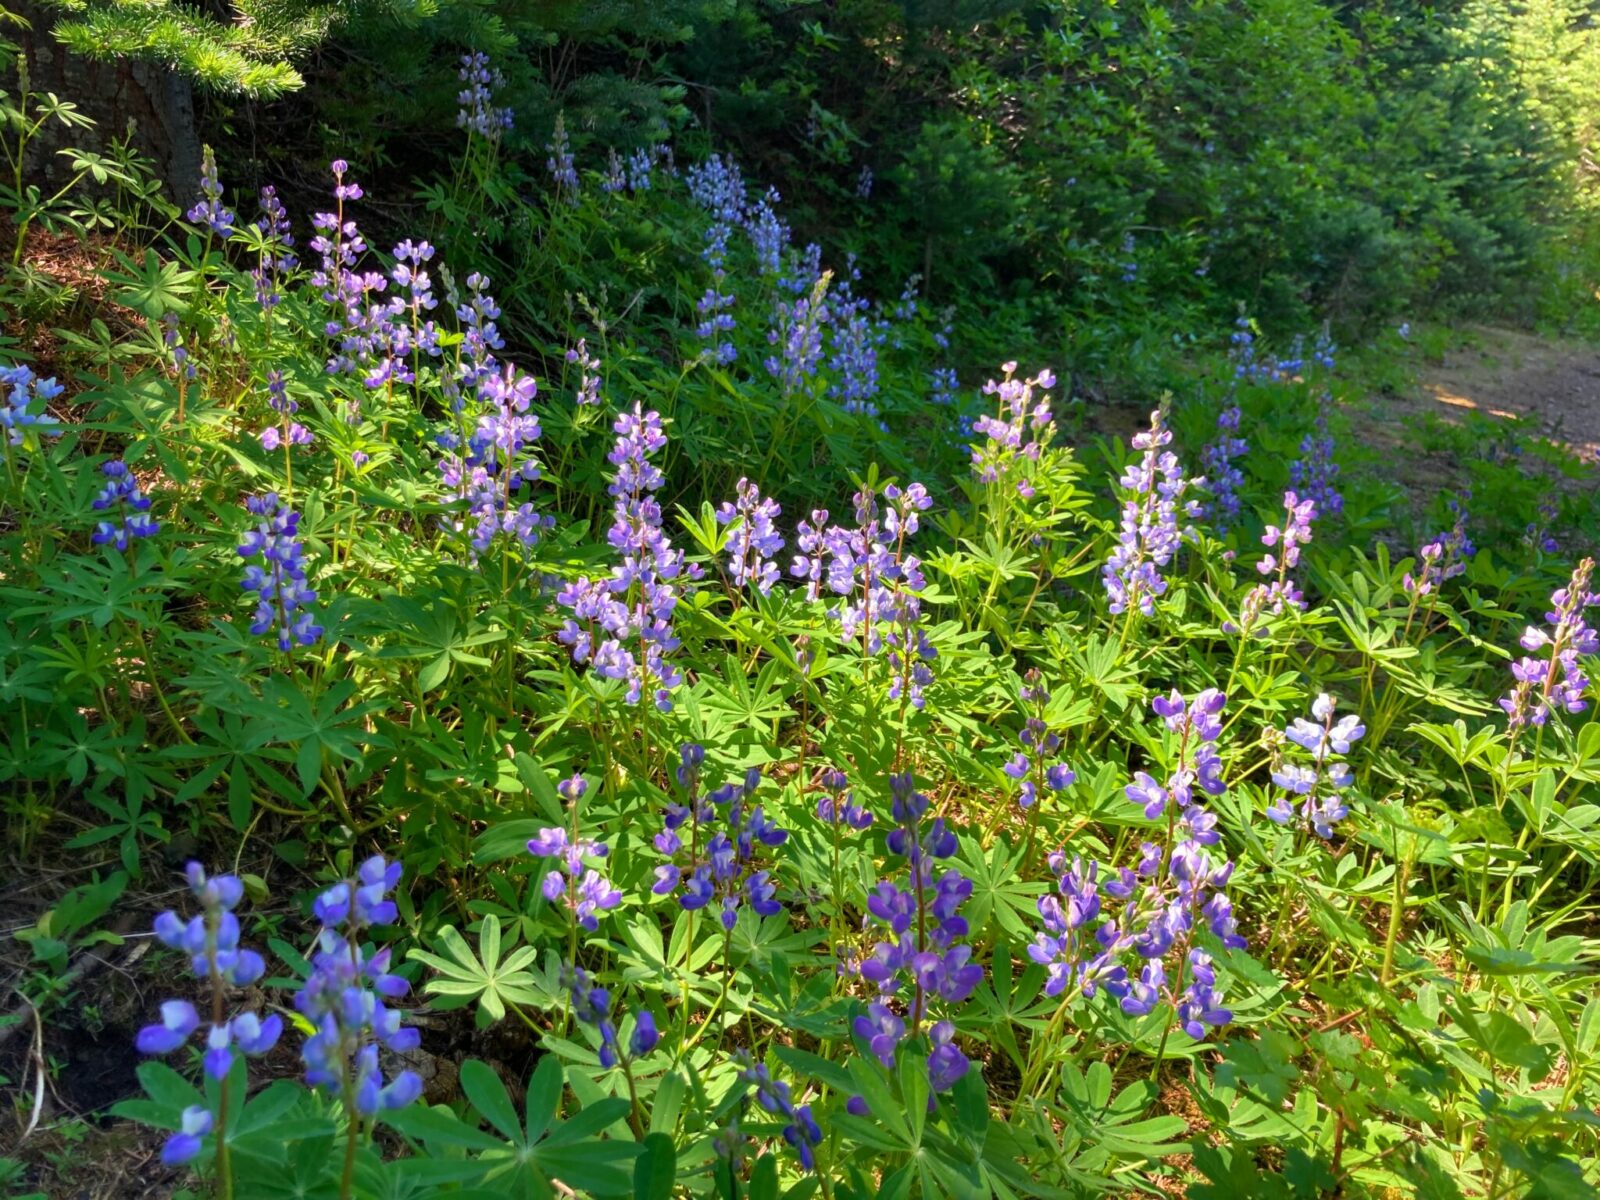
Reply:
x=1446 y=556
x=277 y=250
x=811 y=540
x=210 y=942
x=870 y=566
x=591 y=1005
x=1558 y=682
x=501 y=460
x=922 y=928
x=1538 y=534
x=1151 y=534
x=725 y=868
x=943 y=384
x=412 y=332
x=1327 y=738
x=362 y=323
x=1284 y=555
x=645 y=1034
x=769 y=236
x=718 y=322
x=897 y=608
x=488 y=455
x=185 y=1145
x=283 y=597
x=800 y=1130
x=171 y=338
x=1173 y=890
x=864 y=184
x=1130 y=264
x=1288 y=369
x=798 y=336
x=640 y=165
x=588 y=393
x=288 y=431
x=129 y=508
x=838 y=806
x=26 y=403
x=1030 y=767
x=1067 y=946
x=1242 y=351
x=616 y=178
x=586 y=892
x=1222 y=477
x=1313 y=475
x=717 y=186
x=853 y=349
x=622 y=626
x=210 y=211
x=1018 y=433
x=1197 y=726
x=560 y=164
x=754 y=539
x=477 y=114
x=480 y=335
x=802 y=270
x=344 y=997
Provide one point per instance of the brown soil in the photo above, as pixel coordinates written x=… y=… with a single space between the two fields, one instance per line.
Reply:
x=1554 y=386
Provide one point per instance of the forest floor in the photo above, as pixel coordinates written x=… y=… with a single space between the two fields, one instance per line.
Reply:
x=1492 y=381
x=1513 y=375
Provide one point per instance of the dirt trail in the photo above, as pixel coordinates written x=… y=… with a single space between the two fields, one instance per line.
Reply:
x=1510 y=375
x=1541 y=388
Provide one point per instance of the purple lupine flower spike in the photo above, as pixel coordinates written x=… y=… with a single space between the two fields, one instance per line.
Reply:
x=1018 y=434
x=1543 y=685
x=719 y=863
x=560 y=163
x=1151 y=532
x=24 y=404
x=287 y=431
x=210 y=211
x=210 y=942
x=920 y=952
x=283 y=596
x=345 y=997
x=127 y=506
x=621 y=627
x=755 y=538
x=477 y=113
x=1326 y=739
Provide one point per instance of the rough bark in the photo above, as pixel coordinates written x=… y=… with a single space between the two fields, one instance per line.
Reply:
x=154 y=101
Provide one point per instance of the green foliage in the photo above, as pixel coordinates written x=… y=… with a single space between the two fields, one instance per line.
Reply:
x=1411 y=1011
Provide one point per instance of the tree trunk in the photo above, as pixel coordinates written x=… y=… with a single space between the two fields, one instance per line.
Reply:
x=117 y=95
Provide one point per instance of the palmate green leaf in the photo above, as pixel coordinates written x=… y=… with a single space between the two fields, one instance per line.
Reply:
x=152 y=286
x=466 y=976
x=435 y=633
x=320 y=726
x=1264 y=1065
x=999 y=892
x=745 y=703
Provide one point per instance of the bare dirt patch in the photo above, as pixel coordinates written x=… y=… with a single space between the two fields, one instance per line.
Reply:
x=1553 y=386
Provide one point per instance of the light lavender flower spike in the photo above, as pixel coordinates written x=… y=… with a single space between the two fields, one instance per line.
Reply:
x=1543 y=685
x=1018 y=433
x=1151 y=511
x=1326 y=738
x=754 y=539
